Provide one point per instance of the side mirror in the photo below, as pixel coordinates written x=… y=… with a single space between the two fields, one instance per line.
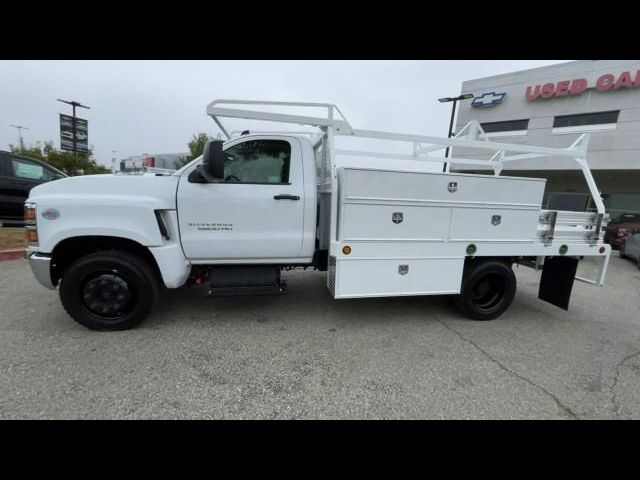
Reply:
x=213 y=161
x=196 y=176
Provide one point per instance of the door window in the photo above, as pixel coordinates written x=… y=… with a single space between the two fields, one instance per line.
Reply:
x=30 y=170
x=258 y=161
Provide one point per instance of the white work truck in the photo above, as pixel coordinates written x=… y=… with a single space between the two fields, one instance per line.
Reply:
x=263 y=202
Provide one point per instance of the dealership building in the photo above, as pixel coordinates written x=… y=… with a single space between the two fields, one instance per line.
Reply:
x=552 y=106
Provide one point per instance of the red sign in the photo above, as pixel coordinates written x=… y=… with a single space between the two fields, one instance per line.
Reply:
x=149 y=162
x=577 y=86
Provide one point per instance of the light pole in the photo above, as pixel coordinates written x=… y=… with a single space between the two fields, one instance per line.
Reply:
x=464 y=96
x=20 y=128
x=74 y=104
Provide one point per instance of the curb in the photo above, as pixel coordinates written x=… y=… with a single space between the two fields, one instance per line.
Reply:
x=13 y=254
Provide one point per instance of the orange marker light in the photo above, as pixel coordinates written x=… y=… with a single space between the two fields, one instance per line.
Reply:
x=32 y=235
x=346 y=249
x=30 y=214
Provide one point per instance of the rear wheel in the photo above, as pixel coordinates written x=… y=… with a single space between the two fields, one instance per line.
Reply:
x=109 y=290
x=488 y=288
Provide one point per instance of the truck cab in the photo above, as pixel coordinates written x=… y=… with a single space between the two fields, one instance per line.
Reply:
x=236 y=230
x=261 y=211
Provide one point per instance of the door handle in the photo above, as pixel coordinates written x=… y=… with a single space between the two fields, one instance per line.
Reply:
x=286 y=197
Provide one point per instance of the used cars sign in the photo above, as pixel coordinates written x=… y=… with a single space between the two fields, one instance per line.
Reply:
x=604 y=83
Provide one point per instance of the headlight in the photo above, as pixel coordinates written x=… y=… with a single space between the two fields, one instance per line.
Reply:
x=30 y=220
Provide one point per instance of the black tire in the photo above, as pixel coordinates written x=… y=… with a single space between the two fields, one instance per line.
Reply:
x=488 y=288
x=621 y=251
x=110 y=290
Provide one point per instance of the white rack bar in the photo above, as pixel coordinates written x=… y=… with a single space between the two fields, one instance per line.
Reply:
x=463 y=142
x=602 y=272
x=399 y=156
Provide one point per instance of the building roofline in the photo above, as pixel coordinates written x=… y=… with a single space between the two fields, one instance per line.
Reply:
x=526 y=70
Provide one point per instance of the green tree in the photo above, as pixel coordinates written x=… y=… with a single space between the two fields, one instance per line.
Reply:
x=196 y=145
x=80 y=164
x=181 y=162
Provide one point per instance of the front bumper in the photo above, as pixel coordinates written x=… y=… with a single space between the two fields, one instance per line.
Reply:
x=41 y=267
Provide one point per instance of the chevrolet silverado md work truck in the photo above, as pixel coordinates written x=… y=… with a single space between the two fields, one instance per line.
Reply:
x=262 y=202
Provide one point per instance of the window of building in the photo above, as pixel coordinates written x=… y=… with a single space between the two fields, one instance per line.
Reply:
x=585 y=122
x=570 y=201
x=258 y=161
x=506 y=128
x=618 y=204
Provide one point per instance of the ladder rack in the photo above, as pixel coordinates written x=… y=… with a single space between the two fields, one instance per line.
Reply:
x=471 y=136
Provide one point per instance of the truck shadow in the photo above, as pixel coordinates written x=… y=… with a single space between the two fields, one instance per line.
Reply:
x=307 y=300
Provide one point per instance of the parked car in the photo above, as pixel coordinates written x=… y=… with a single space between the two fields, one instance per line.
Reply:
x=18 y=175
x=630 y=247
x=620 y=227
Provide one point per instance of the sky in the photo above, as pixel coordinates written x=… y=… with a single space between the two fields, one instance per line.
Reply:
x=152 y=107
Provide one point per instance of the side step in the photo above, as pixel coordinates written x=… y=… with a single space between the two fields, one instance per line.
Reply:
x=232 y=280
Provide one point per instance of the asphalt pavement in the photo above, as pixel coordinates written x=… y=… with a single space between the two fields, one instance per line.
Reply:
x=303 y=355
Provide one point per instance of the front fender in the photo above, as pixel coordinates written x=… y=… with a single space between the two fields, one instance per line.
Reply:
x=102 y=215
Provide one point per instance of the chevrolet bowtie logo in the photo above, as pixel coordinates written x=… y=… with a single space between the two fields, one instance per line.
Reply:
x=488 y=99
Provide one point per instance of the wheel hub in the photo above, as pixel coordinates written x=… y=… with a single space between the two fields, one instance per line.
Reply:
x=107 y=295
x=488 y=292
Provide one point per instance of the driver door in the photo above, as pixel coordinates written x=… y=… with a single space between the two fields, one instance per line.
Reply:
x=256 y=214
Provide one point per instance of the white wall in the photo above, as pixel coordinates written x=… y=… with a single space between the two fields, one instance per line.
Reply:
x=609 y=149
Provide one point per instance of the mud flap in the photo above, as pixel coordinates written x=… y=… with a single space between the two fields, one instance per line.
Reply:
x=556 y=283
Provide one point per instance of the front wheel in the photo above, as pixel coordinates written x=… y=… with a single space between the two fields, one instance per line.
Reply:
x=488 y=288
x=109 y=290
